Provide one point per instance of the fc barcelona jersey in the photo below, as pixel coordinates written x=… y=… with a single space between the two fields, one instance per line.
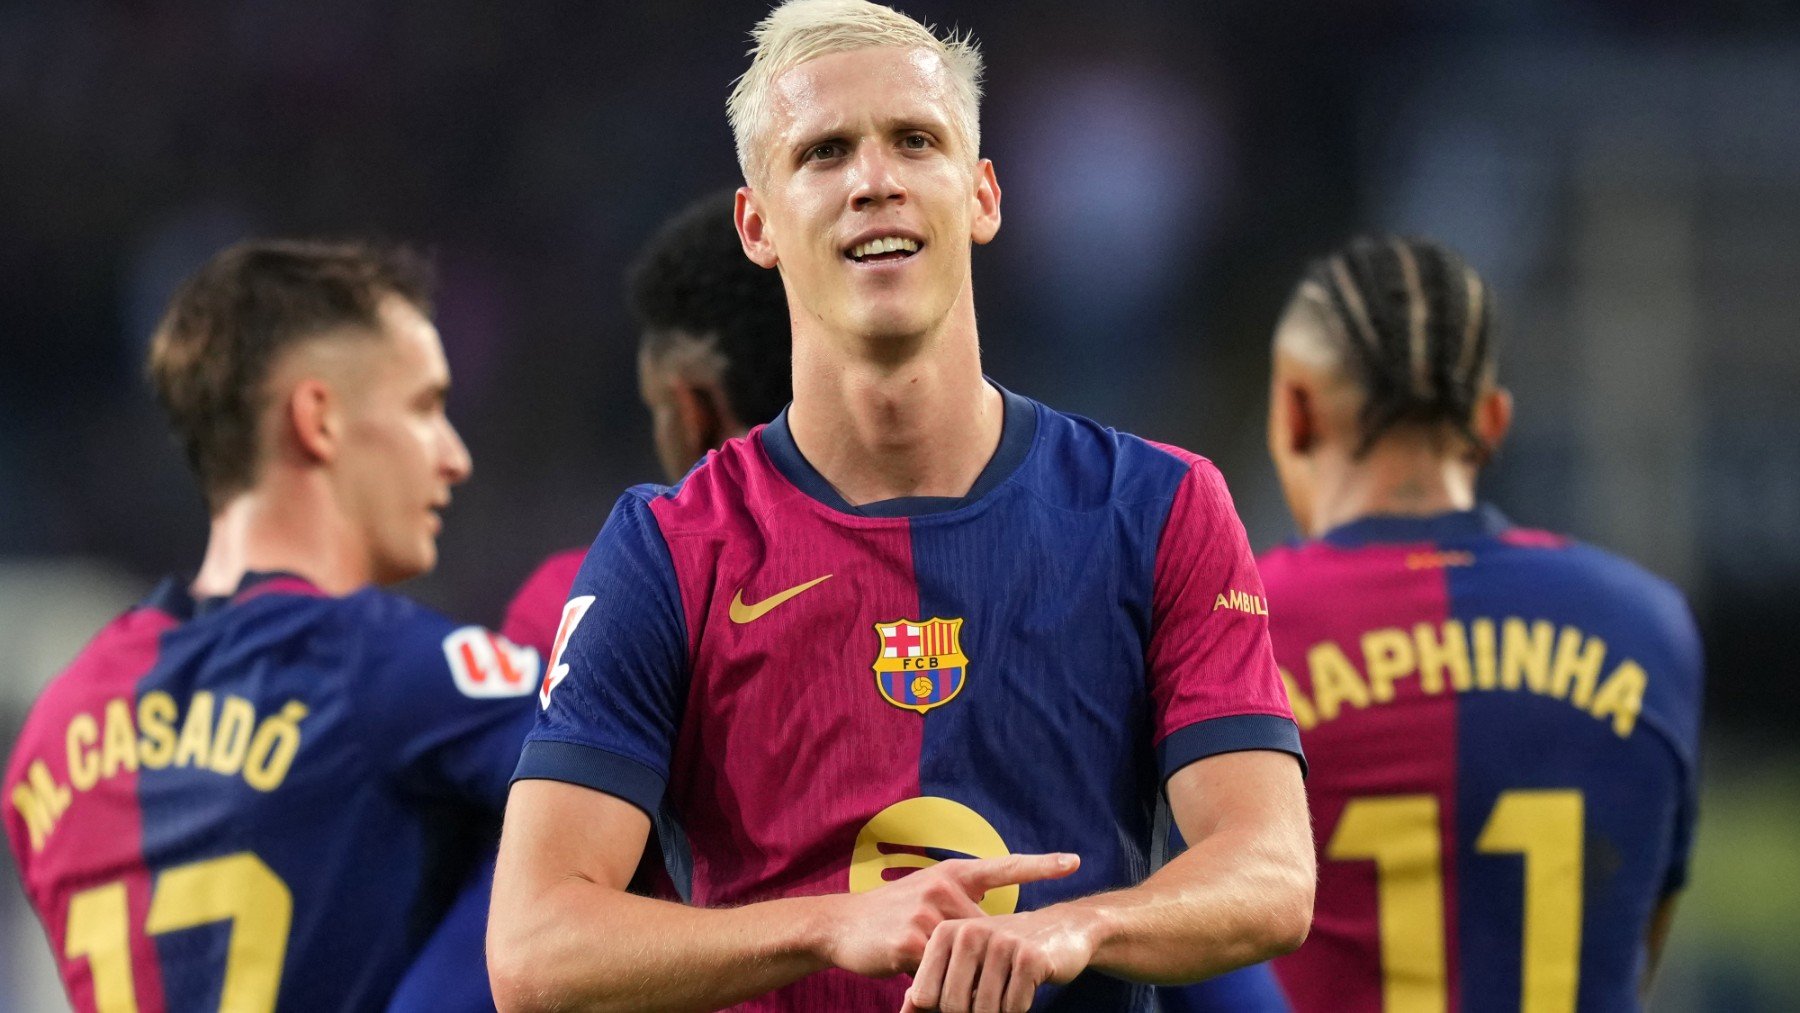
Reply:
x=264 y=801
x=829 y=697
x=1502 y=725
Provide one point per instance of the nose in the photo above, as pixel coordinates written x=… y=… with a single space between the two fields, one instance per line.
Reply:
x=457 y=464
x=876 y=180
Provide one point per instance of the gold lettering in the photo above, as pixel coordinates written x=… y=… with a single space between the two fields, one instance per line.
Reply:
x=1621 y=697
x=40 y=801
x=119 y=748
x=156 y=723
x=1435 y=655
x=272 y=749
x=1525 y=651
x=237 y=719
x=1388 y=655
x=1482 y=631
x=84 y=763
x=1304 y=716
x=1221 y=604
x=1577 y=666
x=35 y=813
x=196 y=732
x=1334 y=680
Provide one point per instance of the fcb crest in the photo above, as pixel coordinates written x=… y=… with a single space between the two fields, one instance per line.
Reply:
x=920 y=664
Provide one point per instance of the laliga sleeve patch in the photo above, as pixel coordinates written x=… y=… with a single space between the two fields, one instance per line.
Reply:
x=571 y=618
x=487 y=665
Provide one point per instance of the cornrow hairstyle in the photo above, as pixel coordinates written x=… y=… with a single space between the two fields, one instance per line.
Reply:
x=1412 y=319
x=694 y=283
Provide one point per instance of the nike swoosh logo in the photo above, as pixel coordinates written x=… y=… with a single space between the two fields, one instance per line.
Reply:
x=742 y=613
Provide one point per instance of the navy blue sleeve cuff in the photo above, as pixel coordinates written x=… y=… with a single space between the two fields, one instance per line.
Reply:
x=1232 y=734
x=545 y=760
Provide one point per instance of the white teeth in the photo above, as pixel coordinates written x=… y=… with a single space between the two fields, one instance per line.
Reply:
x=886 y=244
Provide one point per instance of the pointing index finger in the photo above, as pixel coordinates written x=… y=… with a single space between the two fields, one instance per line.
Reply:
x=986 y=874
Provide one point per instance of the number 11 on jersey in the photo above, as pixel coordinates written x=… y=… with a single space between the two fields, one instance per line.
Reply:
x=1400 y=834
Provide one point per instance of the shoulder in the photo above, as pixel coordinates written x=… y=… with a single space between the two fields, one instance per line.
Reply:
x=108 y=665
x=1084 y=465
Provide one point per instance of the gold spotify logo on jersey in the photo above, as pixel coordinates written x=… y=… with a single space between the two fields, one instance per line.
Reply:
x=922 y=823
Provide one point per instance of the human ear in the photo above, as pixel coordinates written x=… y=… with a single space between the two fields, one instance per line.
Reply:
x=753 y=229
x=987 y=203
x=312 y=418
x=1493 y=417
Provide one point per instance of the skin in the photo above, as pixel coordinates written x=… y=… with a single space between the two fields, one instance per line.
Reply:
x=690 y=413
x=889 y=401
x=356 y=464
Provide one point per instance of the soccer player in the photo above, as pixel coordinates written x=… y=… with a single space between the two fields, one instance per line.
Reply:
x=916 y=618
x=260 y=787
x=1502 y=722
x=713 y=353
x=713 y=361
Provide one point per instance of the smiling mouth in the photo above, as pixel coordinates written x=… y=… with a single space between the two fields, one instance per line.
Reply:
x=884 y=250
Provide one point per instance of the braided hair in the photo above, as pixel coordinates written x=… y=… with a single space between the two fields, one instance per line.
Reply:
x=1410 y=320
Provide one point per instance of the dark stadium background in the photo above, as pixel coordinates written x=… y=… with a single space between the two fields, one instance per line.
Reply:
x=1626 y=173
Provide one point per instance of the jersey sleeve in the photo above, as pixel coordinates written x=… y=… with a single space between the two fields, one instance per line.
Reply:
x=1682 y=726
x=1214 y=687
x=617 y=683
x=447 y=706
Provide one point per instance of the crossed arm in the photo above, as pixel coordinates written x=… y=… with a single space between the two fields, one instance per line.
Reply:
x=564 y=934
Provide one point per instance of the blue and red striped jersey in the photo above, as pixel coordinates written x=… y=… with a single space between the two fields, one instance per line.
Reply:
x=262 y=801
x=827 y=697
x=1503 y=726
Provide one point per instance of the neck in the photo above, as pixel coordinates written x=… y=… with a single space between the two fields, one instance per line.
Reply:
x=285 y=526
x=879 y=425
x=1398 y=478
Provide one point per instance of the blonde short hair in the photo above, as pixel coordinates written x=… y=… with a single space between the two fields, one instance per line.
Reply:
x=801 y=30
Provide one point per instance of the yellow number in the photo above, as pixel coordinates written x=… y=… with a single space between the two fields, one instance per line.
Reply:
x=241 y=889
x=236 y=888
x=1400 y=834
x=96 y=930
x=1545 y=827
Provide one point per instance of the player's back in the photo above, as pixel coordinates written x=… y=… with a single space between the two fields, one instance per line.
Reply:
x=1502 y=727
x=258 y=802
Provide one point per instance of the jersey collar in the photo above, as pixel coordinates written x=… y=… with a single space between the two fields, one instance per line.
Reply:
x=1018 y=427
x=1485 y=521
x=172 y=597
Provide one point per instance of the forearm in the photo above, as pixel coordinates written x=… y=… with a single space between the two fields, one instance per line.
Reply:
x=582 y=946
x=1234 y=898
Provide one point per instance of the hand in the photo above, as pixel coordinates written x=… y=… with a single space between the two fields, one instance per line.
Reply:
x=884 y=932
x=992 y=964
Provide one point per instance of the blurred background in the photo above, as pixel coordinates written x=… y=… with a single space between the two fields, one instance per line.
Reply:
x=1626 y=174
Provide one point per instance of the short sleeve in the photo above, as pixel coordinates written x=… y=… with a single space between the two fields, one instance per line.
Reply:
x=1684 y=728
x=449 y=705
x=1214 y=686
x=617 y=681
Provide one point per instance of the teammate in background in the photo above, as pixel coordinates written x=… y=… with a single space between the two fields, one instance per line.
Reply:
x=714 y=359
x=1502 y=722
x=713 y=352
x=915 y=617
x=259 y=788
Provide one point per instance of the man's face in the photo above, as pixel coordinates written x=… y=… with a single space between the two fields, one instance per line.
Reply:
x=400 y=455
x=869 y=198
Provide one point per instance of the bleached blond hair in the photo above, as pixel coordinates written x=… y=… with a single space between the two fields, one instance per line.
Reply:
x=801 y=30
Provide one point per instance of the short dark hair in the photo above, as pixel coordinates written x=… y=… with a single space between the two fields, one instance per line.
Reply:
x=1413 y=320
x=212 y=354
x=693 y=282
